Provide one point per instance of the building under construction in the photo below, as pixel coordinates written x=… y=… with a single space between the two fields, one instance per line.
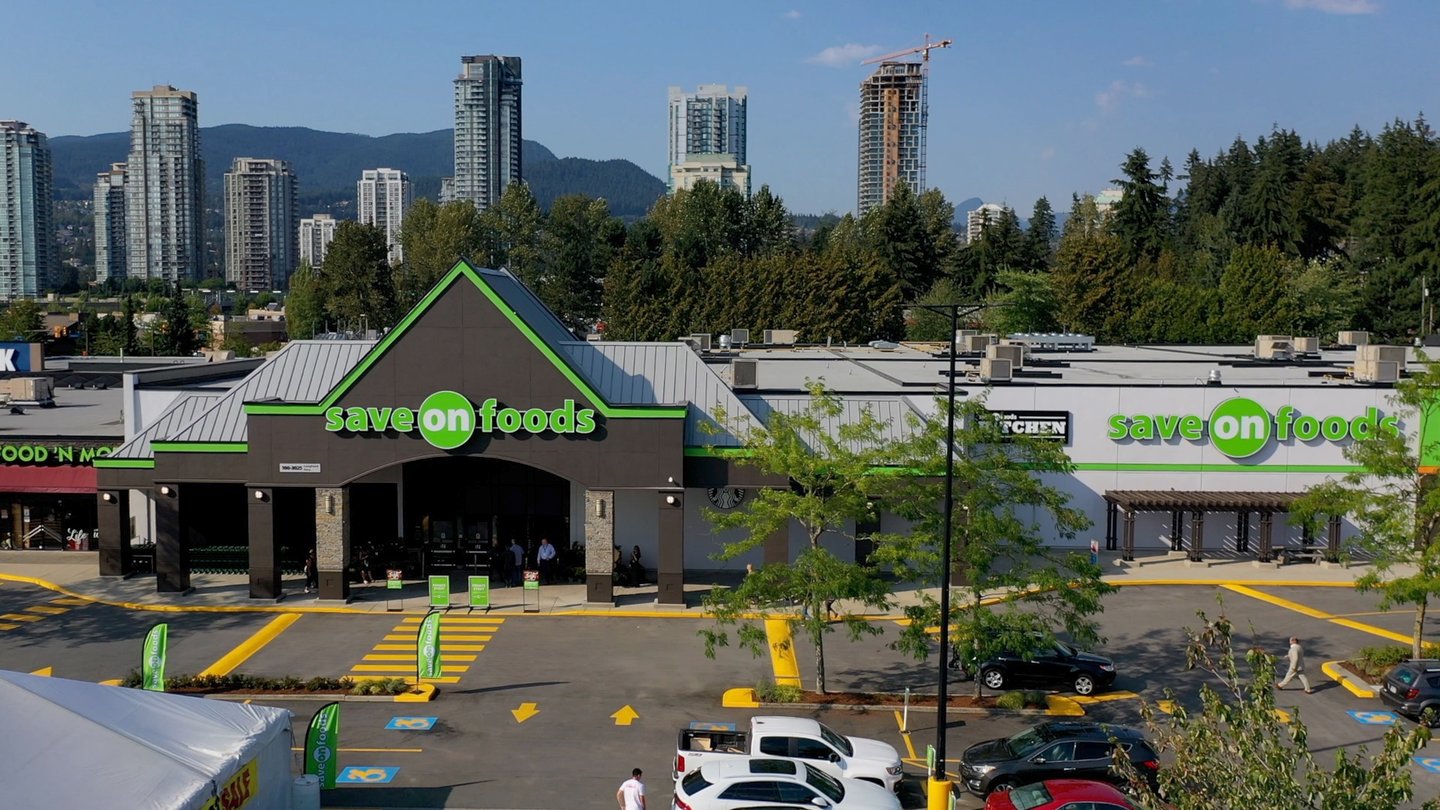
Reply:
x=893 y=113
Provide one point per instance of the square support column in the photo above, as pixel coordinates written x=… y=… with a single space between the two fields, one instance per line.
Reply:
x=671 y=573
x=1197 y=536
x=865 y=531
x=1267 y=544
x=332 y=541
x=1177 y=530
x=1128 y=554
x=172 y=545
x=1242 y=532
x=600 y=546
x=1332 y=551
x=1112 y=513
x=264 y=553
x=112 y=510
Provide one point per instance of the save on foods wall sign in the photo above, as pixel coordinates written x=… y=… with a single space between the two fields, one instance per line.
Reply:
x=447 y=420
x=1240 y=427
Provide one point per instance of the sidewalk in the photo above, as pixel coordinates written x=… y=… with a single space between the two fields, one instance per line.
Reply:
x=74 y=573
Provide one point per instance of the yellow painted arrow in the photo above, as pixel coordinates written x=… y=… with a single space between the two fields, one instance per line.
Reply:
x=525 y=712
x=625 y=716
x=46 y=671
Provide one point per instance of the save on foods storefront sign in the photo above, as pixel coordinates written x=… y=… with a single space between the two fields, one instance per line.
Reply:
x=448 y=420
x=1241 y=428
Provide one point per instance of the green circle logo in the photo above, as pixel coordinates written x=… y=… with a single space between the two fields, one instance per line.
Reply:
x=447 y=420
x=1239 y=427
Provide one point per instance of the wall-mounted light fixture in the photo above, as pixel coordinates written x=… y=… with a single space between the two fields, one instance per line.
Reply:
x=107 y=497
x=166 y=491
x=329 y=504
x=670 y=480
x=260 y=495
x=671 y=499
x=600 y=508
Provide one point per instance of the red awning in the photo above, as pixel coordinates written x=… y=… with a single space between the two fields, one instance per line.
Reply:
x=76 y=480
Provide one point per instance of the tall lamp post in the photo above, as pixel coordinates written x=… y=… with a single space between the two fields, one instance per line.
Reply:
x=938 y=794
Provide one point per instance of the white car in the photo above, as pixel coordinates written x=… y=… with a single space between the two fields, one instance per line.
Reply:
x=736 y=783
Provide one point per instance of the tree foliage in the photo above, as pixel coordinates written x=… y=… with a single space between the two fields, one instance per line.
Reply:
x=356 y=282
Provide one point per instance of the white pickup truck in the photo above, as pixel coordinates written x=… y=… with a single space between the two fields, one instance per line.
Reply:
x=790 y=738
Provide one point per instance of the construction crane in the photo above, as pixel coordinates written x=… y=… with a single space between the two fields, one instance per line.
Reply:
x=923 y=50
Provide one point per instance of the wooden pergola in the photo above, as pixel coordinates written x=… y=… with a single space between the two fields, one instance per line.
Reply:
x=1124 y=504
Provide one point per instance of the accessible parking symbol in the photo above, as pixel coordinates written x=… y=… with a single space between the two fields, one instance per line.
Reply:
x=411 y=723
x=1374 y=718
x=1431 y=764
x=366 y=775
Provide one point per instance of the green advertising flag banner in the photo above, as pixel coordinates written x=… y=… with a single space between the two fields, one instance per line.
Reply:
x=479 y=592
x=440 y=592
x=427 y=647
x=152 y=659
x=321 y=741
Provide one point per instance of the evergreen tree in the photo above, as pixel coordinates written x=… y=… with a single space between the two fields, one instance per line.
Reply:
x=1089 y=272
x=1040 y=236
x=575 y=248
x=1255 y=289
x=1141 y=218
x=434 y=238
x=515 y=224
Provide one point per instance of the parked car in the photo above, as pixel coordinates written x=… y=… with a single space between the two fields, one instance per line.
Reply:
x=1068 y=749
x=791 y=738
x=1057 y=664
x=1412 y=688
x=744 y=782
x=1061 y=794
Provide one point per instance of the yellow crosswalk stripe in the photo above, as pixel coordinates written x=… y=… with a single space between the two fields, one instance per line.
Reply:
x=445 y=645
x=20 y=617
x=458 y=620
x=399 y=669
x=69 y=600
x=445 y=638
x=401 y=657
x=47 y=610
x=8 y=626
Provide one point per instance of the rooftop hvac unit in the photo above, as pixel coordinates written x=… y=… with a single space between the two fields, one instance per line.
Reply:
x=993 y=369
x=1377 y=371
x=1376 y=352
x=1015 y=353
x=744 y=373
x=1353 y=338
x=1273 y=347
x=1306 y=345
x=961 y=334
x=689 y=340
x=739 y=337
x=702 y=339
x=974 y=344
x=780 y=337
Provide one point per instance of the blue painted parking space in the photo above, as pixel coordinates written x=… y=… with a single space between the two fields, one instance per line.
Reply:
x=1365 y=718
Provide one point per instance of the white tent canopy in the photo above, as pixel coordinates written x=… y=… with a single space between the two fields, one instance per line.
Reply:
x=75 y=744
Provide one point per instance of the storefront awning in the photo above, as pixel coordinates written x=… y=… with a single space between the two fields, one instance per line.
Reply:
x=1168 y=500
x=71 y=480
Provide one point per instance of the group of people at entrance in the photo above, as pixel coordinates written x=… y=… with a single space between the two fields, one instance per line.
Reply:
x=508 y=564
x=631 y=575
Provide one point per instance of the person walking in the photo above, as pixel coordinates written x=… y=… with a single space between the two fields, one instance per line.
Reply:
x=631 y=795
x=1297 y=666
x=312 y=572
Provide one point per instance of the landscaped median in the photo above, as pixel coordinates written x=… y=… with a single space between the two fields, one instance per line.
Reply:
x=250 y=687
x=1364 y=673
x=792 y=697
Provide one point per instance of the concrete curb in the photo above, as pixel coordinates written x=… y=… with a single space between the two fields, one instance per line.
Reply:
x=1352 y=684
x=425 y=692
x=1058 y=706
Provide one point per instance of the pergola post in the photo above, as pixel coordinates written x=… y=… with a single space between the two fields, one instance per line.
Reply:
x=1197 y=536
x=1112 y=513
x=1332 y=552
x=1266 y=541
x=1129 y=552
x=1307 y=537
x=1177 y=530
x=1242 y=532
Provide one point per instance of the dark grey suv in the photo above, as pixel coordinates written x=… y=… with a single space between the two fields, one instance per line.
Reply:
x=1412 y=688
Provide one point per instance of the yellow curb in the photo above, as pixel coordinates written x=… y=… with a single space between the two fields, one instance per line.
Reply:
x=782 y=652
x=1059 y=706
x=1165 y=706
x=1105 y=698
x=423 y=693
x=1339 y=676
x=111 y=682
x=740 y=698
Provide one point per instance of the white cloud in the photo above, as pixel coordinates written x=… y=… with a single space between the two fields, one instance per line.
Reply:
x=1047 y=153
x=1138 y=62
x=792 y=14
x=843 y=55
x=1335 y=6
x=1109 y=99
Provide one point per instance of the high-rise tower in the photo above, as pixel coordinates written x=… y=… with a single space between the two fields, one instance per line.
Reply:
x=109 y=204
x=317 y=231
x=892 y=132
x=262 y=224
x=707 y=138
x=487 y=128
x=26 y=238
x=382 y=198
x=165 y=186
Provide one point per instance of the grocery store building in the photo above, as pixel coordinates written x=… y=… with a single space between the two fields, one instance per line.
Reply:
x=480 y=418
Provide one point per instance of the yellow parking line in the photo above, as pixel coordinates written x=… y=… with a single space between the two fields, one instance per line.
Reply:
x=399 y=657
x=904 y=733
x=445 y=638
x=1105 y=698
x=400 y=670
x=8 y=626
x=491 y=620
x=445 y=645
x=1319 y=614
x=1373 y=630
x=72 y=602
x=47 y=610
x=20 y=617
x=252 y=645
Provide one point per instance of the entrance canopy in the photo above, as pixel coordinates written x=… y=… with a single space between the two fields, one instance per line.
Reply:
x=1173 y=500
x=66 y=480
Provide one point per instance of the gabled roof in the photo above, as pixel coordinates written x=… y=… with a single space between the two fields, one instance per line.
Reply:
x=185 y=409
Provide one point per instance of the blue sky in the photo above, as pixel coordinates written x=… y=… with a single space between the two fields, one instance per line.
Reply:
x=1034 y=97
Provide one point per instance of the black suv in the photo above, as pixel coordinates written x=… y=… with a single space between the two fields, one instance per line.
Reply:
x=1413 y=688
x=1061 y=749
x=1055 y=665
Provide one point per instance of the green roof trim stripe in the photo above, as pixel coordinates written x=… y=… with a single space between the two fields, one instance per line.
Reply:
x=124 y=463
x=1221 y=468
x=463 y=269
x=716 y=452
x=199 y=447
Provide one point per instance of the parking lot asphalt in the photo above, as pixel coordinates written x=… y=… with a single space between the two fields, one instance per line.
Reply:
x=541 y=717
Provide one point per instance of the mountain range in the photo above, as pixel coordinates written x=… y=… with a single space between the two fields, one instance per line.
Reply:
x=328 y=164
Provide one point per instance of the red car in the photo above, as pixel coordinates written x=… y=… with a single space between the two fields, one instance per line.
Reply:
x=1060 y=794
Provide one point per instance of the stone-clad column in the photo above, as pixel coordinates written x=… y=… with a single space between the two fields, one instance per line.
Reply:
x=332 y=541
x=600 y=546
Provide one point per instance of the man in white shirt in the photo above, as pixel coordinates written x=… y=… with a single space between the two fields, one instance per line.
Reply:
x=546 y=557
x=631 y=795
x=1297 y=666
